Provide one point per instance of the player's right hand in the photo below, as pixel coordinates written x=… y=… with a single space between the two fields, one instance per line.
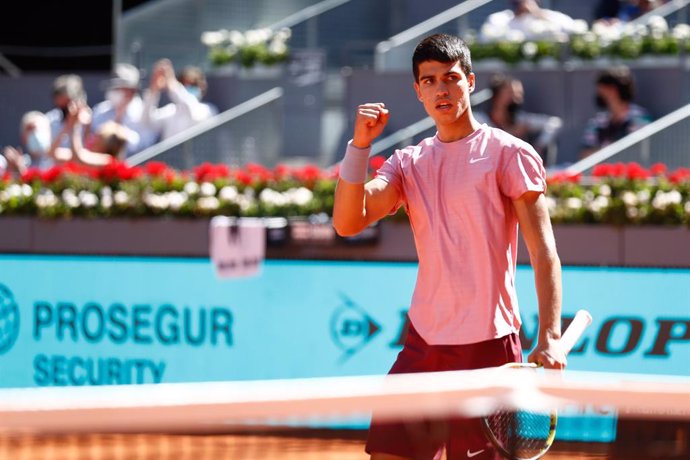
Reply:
x=370 y=120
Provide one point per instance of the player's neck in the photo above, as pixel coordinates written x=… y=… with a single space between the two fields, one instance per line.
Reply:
x=465 y=126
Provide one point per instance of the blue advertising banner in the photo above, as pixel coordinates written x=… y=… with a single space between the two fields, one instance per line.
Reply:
x=68 y=320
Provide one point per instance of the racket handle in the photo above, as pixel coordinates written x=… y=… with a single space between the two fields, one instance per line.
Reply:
x=575 y=329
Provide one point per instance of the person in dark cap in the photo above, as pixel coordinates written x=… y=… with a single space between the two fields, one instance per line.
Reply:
x=123 y=105
x=67 y=88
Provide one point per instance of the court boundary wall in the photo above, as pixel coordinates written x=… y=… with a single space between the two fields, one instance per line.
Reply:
x=390 y=240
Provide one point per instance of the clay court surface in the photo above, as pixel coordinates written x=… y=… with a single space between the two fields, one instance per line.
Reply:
x=330 y=446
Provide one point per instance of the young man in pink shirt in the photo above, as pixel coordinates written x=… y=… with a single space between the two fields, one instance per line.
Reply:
x=465 y=191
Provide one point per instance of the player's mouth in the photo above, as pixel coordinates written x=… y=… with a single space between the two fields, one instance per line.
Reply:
x=444 y=106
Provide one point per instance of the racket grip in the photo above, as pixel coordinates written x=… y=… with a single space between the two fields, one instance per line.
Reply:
x=575 y=329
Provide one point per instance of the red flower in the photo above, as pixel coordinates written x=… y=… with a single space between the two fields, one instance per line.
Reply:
x=156 y=168
x=208 y=172
x=281 y=172
x=376 y=162
x=637 y=172
x=243 y=178
x=31 y=175
x=658 y=169
x=109 y=172
x=169 y=176
x=126 y=172
x=51 y=175
x=202 y=171
x=618 y=170
x=680 y=175
x=602 y=170
x=258 y=172
x=308 y=173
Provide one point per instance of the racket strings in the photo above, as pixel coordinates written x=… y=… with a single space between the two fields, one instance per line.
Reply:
x=523 y=434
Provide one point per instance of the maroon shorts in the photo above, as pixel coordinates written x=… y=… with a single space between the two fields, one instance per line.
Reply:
x=462 y=438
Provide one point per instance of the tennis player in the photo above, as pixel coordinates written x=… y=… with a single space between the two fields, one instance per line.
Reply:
x=465 y=191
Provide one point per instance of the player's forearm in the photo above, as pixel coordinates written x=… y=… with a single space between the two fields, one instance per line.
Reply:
x=349 y=212
x=349 y=215
x=547 y=272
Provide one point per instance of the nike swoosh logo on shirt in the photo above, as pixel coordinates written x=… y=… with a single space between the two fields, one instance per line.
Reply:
x=474 y=454
x=474 y=160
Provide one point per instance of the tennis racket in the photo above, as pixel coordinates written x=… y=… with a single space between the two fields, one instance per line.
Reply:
x=528 y=435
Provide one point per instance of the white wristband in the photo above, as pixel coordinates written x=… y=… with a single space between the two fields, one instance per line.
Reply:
x=355 y=165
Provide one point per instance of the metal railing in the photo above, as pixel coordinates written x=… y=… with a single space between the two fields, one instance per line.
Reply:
x=666 y=140
x=395 y=53
x=309 y=15
x=172 y=28
x=249 y=132
x=666 y=10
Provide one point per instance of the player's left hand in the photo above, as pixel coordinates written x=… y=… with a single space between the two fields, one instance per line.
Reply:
x=548 y=353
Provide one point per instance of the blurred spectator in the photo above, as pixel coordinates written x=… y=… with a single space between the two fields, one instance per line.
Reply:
x=607 y=10
x=123 y=105
x=527 y=20
x=186 y=107
x=633 y=9
x=505 y=112
x=614 y=14
x=38 y=147
x=620 y=116
x=66 y=89
x=108 y=142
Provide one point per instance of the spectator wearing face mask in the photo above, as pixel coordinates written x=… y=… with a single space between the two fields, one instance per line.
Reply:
x=38 y=148
x=67 y=88
x=185 y=92
x=618 y=115
x=506 y=111
x=124 y=106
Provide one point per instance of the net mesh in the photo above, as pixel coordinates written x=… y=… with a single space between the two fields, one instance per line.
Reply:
x=523 y=434
x=327 y=417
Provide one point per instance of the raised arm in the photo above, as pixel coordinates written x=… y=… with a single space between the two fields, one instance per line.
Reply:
x=537 y=233
x=358 y=205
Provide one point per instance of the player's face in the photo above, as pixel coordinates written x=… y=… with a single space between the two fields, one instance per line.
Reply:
x=444 y=89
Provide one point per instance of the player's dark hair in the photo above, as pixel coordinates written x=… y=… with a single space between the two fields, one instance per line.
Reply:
x=621 y=78
x=442 y=48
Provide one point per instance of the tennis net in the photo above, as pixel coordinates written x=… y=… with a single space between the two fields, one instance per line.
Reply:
x=327 y=417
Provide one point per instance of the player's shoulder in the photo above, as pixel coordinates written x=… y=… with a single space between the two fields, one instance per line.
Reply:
x=411 y=151
x=498 y=138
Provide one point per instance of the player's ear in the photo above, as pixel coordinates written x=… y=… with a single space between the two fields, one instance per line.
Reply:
x=471 y=81
x=416 y=90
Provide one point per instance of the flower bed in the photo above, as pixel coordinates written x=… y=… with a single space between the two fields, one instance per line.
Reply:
x=157 y=190
x=621 y=194
x=619 y=41
x=256 y=46
x=616 y=194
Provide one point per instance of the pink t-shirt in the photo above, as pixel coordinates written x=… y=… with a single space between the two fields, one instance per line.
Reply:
x=458 y=196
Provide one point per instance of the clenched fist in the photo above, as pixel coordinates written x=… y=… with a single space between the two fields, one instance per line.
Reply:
x=369 y=123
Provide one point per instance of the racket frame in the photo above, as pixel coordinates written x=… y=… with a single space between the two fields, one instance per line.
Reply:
x=580 y=322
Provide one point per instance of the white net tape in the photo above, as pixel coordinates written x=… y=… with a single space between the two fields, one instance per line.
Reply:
x=213 y=406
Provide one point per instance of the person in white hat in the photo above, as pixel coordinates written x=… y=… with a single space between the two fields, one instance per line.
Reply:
x=185 y=93
x=123 y=105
